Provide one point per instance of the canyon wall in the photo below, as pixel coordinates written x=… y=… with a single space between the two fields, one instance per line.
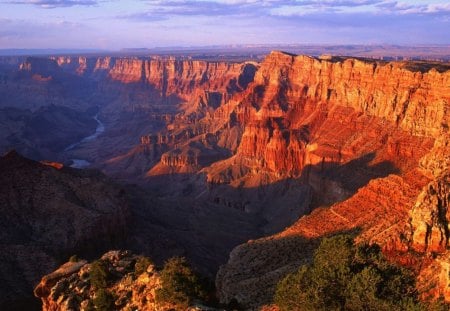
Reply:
x=349 y=144
x=416 y=101
x=331 y=125
x=129 y=84
x=370 y=138
x=132 y=96
x=289 y=108
x=169 y=76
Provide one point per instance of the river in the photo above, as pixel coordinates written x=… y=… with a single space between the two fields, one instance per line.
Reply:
x=80 y=163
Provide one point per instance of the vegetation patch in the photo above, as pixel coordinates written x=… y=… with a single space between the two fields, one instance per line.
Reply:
x=344 y=276
x=180 y=285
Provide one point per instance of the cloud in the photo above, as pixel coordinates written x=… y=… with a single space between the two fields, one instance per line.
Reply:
x=163 y=10
x=335 y=21
x=50 y=4
x=21 y=33
x=160 y=9
x=400 y=7
x=379 y=7
x=148 y=16
x=29 y=29
x=196 y=8
x=332 y=3
x=199 y=22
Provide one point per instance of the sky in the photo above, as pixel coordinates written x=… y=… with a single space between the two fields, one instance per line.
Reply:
x=117 y=24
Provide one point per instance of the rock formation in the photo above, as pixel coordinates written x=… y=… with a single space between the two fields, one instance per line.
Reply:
x=169 y=79
x=129 y=92
x=382 y=116
x=349 y=144
x=49 y=214
x=298 y=100
x=430 y=215
x=71 y=287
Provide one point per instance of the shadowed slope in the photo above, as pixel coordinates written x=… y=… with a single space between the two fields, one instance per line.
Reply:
x=48 y=214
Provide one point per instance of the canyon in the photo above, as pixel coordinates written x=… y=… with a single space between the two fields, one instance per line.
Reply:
x=242 y=167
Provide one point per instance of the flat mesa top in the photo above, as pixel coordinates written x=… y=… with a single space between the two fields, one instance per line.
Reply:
x=255 y=52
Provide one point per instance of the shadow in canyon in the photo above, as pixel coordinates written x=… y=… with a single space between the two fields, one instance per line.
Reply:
x=182 y=215
x=41 y=119
x=43 y=133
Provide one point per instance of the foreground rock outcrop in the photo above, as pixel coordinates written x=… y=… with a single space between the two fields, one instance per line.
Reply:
x=48 y=214
x=70 y=287
x=129 y=282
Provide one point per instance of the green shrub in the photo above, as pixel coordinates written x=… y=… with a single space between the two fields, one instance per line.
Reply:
x=290 y=294
x=179 y=284
x=99 y=274
x=74 y=258
x=141 y=265
x=90 y=306
x=103 y=300
x=343 y=276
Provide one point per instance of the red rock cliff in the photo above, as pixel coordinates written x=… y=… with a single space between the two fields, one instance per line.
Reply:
x=371 y=137
x=304 y=111
x=169 y=76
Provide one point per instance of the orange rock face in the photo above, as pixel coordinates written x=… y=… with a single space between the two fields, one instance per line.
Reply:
x=302 y=112
x=370 y=138
x=56 y=165
x=430 y=215
x=433 y=279
x=170 y=77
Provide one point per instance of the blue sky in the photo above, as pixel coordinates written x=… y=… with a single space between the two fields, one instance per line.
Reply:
x=115 y=24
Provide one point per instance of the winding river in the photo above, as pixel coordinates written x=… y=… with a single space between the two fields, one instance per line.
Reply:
x=79 y=163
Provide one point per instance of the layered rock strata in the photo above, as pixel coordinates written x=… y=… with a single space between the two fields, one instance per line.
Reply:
x=371 y=135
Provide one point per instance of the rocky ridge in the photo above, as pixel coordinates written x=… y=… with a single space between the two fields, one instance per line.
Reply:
x=169 y=79
x=71 y=287
x=48 y=214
